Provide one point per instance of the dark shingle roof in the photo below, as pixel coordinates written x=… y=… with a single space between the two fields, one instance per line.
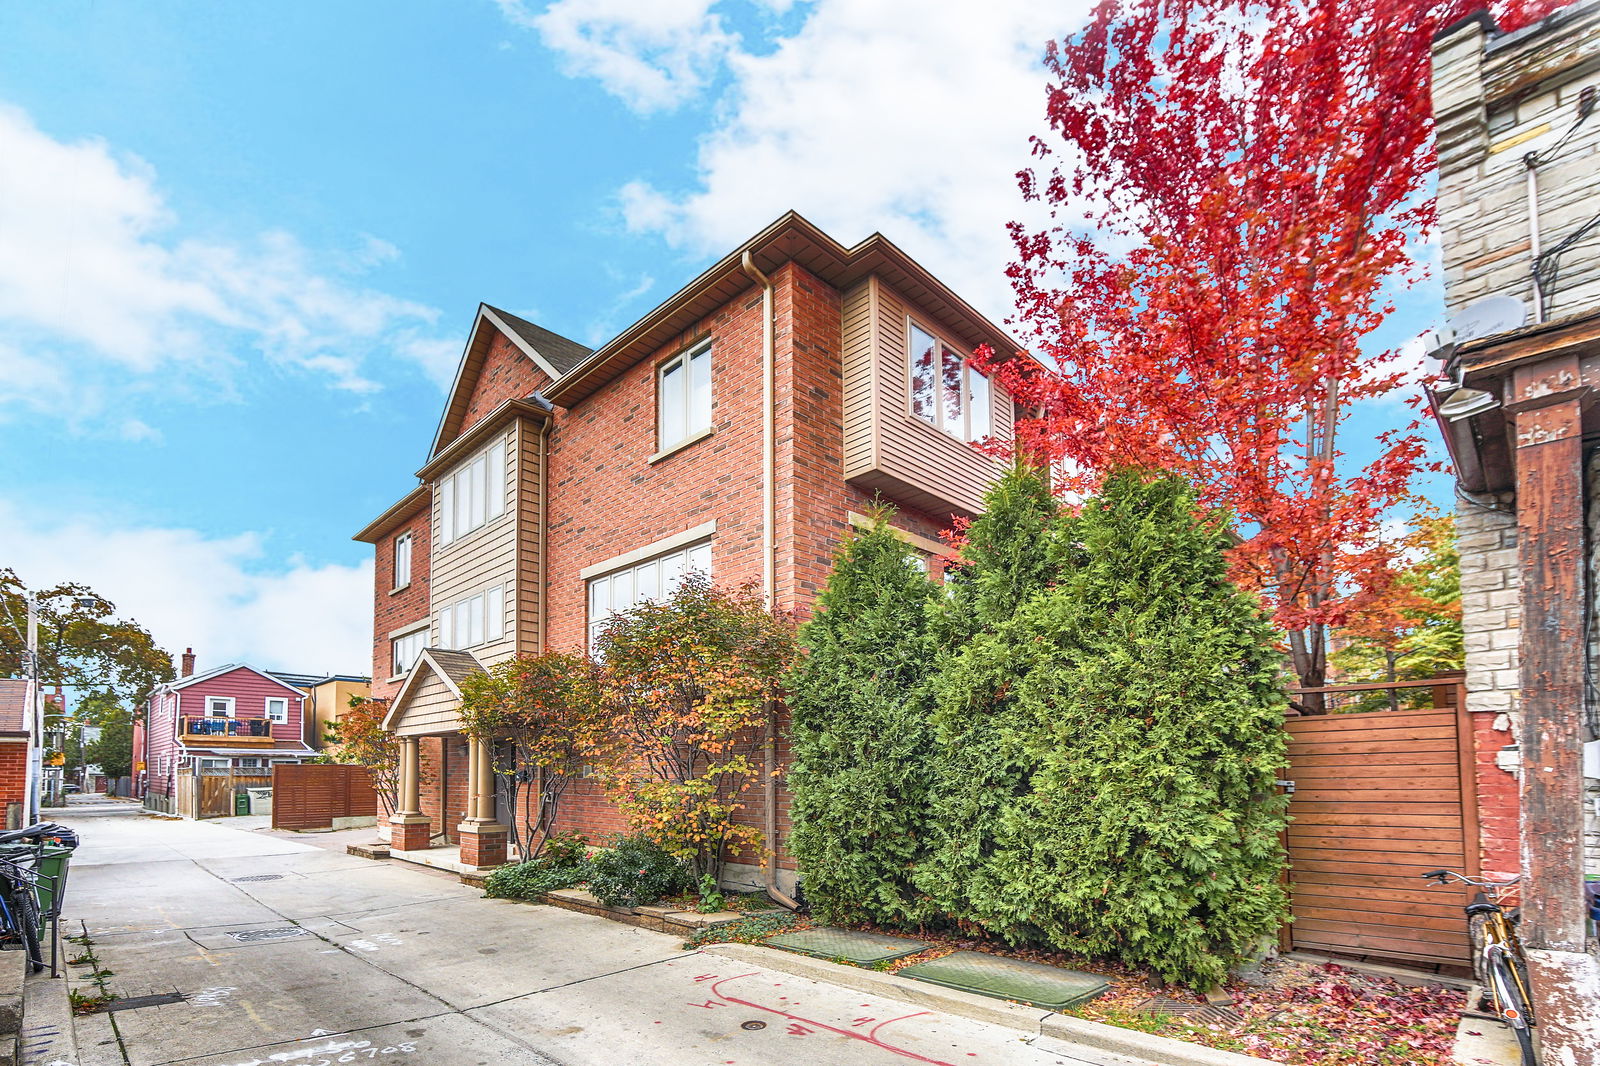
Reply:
x=13 y=705
x=558 y=351
x=456 y=665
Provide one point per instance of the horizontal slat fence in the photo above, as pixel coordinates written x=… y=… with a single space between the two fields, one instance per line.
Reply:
x=312 y=795
x=1379 y=800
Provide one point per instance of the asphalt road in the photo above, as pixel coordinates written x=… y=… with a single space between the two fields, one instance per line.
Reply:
x=288 y=953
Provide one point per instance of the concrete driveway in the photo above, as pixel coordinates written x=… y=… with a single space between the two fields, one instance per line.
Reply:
x=289 y=953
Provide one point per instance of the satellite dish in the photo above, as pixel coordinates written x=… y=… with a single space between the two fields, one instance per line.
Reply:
x=1486 y=317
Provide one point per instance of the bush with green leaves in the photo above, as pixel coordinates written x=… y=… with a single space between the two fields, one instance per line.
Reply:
x=1152 y=713
x=562 y=863
x=634 y=871
x=859 y=702
x=1019 y=547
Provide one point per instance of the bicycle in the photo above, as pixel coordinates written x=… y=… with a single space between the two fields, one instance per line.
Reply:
x=1497 y=959
x=20 y=914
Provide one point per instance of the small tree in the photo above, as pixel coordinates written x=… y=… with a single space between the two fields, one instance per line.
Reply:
x=1154 y=722
x=548 y=709
x=860 y=702
x=113 y=751
x=1009 y=555
x=357 y=737
x=686 y=683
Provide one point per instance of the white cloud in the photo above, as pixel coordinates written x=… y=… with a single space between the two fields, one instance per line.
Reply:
x=190 y=589
x=102 y=290
x=653 y=56
x=866 y=119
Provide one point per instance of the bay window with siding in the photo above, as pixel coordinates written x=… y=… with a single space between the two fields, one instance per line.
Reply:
x=474 y=494
x=474 y=620
x=946 y=393
x=652 y=580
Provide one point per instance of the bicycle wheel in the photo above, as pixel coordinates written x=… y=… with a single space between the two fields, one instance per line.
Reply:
x=1513 y=1004
x=25 y=909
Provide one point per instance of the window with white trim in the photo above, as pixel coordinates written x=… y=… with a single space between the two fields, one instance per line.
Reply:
x=683 y=397
x=219 y=706
x=946 y=393
x=405 y=648
x=474 y=494
x=476 y=619
x=278 y=709
x=402 y=560
x=654 y=579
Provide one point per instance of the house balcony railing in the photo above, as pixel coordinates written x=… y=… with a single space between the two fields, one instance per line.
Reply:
x=231 y=730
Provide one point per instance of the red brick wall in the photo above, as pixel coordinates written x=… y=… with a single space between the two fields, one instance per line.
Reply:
x=13 y=771
x=393 y=609
x=1499 y=807
x=507 y=374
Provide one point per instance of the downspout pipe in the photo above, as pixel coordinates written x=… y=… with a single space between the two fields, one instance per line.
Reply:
x=769 y=583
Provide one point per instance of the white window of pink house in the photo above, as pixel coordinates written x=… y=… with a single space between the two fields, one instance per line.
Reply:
x=219 y=706
x=277 y=709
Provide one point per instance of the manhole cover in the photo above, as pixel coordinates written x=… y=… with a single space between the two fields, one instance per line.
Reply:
x=752 y=1026
x=259 y=877
x=255 y=936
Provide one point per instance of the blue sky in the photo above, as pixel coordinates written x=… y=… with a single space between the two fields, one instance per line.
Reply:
x=240 y=245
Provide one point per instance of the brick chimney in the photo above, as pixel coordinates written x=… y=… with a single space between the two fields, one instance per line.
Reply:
x=188 y=663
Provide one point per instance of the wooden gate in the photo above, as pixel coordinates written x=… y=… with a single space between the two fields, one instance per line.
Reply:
x=1379 y=798
x=312 y=795
x=218 y=787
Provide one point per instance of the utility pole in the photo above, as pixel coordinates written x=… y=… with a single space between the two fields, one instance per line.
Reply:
x=30 y=804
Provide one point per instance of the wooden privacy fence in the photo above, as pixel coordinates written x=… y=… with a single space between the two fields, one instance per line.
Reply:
x=210 y=792
x=1380 y=797
x=312 y=795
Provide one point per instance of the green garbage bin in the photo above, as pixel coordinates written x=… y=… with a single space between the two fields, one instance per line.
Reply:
x=241 y=802
x=53 y=862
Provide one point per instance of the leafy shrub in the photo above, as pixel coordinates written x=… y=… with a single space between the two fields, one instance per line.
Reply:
x=711 y=897
x=563 y=863
x=636 y=871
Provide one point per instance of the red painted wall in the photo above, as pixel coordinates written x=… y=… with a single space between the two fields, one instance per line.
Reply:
x=1499 y=803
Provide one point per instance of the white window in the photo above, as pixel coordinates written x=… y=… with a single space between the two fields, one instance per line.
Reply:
x=405 y=649
x=277 y=709
x=654 y=579
x=402 y=560
x=219 y=706
x=946 y=393
x=474 y=494
x=214 y=764
x=477 y=619
x=683 y=398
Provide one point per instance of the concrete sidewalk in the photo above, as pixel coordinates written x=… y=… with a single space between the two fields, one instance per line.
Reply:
x=286 y=952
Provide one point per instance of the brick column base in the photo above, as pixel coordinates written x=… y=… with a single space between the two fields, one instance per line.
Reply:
x=482 y=845
x=406 y=834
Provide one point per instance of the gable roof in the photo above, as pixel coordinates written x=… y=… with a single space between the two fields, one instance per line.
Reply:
x=227 y=668
x=789 y=237
x=13 y=705
x=551 y=352
x=449 y=666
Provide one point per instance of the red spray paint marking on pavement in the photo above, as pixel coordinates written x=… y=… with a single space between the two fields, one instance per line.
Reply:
x=866 y=1038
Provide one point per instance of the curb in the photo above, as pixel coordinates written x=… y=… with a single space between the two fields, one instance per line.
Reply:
x=1031 y=1020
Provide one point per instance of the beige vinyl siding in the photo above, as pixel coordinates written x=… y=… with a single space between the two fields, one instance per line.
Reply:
x=857 y=346
x=485 y=557
x=433 y=708
x=891 y=450
x=527 y=507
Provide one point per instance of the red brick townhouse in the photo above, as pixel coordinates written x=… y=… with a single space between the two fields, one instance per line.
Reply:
x=739 y=429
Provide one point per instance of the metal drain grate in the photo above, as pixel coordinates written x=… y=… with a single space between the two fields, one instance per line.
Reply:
x=160 y=999
x=1204 y=1013
x=255 y=936
x=259 y=877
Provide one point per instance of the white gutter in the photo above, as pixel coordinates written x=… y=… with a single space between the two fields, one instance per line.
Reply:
x=769 y=583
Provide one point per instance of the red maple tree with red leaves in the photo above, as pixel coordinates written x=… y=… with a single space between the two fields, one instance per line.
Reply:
x=1235 y=190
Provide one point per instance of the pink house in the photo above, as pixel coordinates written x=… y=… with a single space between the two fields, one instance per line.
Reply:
x=206 y=735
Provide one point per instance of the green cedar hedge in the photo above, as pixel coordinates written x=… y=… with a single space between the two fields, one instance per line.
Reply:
x=1014 y=551
x=861 y=739
x=1153 y=718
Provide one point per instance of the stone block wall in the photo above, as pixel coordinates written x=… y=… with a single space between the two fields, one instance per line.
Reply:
x=1498 y=97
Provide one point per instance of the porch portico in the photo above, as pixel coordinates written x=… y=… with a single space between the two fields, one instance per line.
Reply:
x=429 y=705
